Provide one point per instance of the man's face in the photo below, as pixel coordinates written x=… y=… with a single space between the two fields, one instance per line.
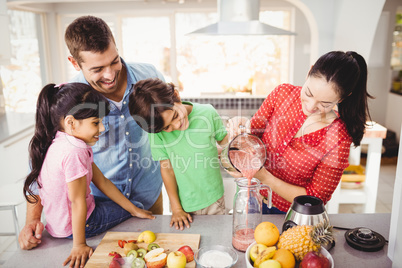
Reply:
x=101 y=70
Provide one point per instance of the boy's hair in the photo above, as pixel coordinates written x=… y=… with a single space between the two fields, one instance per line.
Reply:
x=87 y=33
x=148 y=100
x=56 y=102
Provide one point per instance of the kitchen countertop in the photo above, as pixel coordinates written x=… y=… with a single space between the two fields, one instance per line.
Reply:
x=11 y=124
x=217 y=229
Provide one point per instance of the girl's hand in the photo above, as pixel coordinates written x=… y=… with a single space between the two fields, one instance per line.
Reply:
x=79 y=256
x=180 y=218
x=142 y=213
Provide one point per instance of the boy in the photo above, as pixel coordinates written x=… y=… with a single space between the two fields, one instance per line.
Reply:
x=183 y=138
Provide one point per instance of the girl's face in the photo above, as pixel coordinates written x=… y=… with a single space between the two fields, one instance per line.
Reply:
x=175 y=119
x=88 y=129
x=318 y=96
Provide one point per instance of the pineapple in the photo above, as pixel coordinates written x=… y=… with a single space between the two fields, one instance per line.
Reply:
x=301 y=239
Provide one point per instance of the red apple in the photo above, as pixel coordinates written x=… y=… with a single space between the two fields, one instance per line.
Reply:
x=315 y=260
x=114 y=264
x=188 y=252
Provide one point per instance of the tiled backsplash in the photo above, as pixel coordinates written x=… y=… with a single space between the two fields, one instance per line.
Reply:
x=230 y=103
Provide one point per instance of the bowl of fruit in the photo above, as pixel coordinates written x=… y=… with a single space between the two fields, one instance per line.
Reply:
x=216 y=256
x=299 y=246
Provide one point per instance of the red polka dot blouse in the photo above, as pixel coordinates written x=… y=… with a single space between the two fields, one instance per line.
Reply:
x=315 y=160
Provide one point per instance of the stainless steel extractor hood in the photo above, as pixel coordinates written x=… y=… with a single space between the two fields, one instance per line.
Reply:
x=240 y=17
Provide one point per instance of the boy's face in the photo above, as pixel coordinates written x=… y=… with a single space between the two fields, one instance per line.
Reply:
x=175 y=119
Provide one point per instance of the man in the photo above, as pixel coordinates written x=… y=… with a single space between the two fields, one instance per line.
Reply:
x=122 y=153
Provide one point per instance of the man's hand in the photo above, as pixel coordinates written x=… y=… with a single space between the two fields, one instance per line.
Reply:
x=30 y=236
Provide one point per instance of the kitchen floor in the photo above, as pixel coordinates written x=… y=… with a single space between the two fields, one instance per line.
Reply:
x=384 y=202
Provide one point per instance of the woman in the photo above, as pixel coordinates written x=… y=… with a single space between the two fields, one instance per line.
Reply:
x=308 y=130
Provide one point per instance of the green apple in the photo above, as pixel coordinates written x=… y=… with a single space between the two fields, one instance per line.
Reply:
x=270 y=264
x=176 y=259
x=256 y=250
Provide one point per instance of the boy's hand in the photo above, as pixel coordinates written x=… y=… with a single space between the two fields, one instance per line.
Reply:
x=142 y=213
x=180 y=219
x=79 y=256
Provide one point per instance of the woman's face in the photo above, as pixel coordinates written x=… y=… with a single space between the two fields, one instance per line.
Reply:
x=318 y=96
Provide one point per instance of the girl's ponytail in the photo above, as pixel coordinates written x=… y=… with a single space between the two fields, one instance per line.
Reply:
x=353 y=109
x=44 y=134
x=54 y=104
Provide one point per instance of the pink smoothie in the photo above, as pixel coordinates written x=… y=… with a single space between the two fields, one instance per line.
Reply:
x=242 y=239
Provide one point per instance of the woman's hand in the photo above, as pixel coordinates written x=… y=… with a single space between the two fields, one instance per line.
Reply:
x=79 y=256
x=142 y=213
x=180 y=218
x=238 y=125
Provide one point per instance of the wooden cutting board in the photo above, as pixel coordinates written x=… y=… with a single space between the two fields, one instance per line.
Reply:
x=169 y=241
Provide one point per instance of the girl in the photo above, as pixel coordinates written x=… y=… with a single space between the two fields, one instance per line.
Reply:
x=68 y=122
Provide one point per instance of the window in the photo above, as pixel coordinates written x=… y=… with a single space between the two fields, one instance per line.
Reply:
x=22 y=77
x=205 y=65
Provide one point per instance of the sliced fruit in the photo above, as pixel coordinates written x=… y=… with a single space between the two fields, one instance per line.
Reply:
x=141 y=253
x=156 y=258
x=153 y=246
x=256 y=250
x=130 y=246
x=133 y=253
x=121 y=243
x=138 y=263
x=114 y=253
x=146 y=237
x=266 y=254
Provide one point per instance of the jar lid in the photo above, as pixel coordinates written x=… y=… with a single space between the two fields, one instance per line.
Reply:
x=308 y=205
x=364 y=239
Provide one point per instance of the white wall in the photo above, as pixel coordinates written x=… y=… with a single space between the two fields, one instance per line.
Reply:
x=395 y=233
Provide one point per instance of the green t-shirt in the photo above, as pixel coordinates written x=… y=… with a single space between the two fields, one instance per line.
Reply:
x=194 y=157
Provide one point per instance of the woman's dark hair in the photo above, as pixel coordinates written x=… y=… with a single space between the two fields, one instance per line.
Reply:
x=149 y=99
x=87 y=33
x=348 y=72
x=53 y=105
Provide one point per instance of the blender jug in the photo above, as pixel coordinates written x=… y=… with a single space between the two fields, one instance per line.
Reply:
x=245 y=153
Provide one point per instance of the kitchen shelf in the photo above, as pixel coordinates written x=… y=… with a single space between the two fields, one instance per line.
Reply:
x=398 y=92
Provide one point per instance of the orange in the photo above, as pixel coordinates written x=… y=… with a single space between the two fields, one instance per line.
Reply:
x=266 y=233
x=285 y=258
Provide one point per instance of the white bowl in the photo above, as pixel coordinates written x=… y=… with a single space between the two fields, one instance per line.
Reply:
x=220 y=250
x=323 y=251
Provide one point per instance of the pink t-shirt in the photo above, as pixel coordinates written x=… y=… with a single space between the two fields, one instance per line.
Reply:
x=67 y=159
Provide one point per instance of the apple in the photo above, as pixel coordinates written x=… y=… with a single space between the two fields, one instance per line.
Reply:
x=315 y=260
x=114 y=264
x=270 y=264
x=156 y=258
x=188 y=252
x=176 y=259
x=256 y=250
